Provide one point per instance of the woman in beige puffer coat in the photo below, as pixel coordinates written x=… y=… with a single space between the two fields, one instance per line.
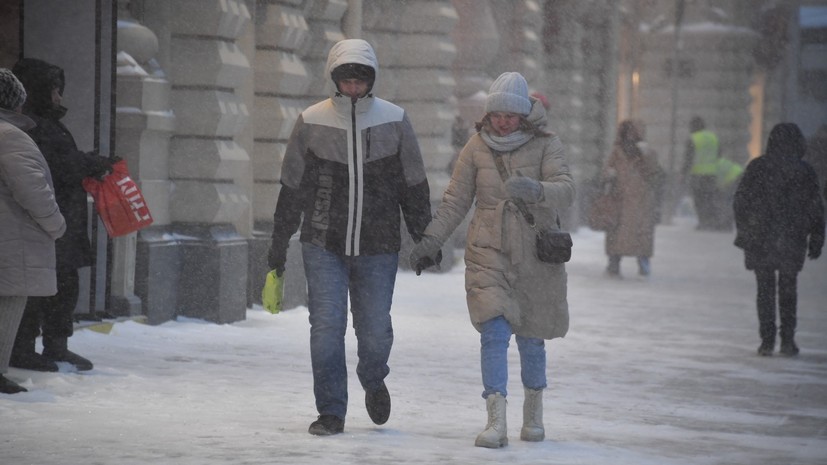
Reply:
x=508 y=290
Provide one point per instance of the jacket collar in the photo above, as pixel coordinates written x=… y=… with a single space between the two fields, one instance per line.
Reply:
x=16 y=119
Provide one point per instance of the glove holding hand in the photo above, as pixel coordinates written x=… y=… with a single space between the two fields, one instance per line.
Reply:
x=524 y=188
x=276 y=260
x=425 y=254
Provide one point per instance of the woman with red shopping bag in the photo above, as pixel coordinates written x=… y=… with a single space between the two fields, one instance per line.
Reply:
x=52 y=317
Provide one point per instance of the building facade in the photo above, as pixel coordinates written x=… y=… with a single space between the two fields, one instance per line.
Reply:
x=199 y=96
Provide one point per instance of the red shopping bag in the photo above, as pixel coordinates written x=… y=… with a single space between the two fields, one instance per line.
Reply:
x=118 y=201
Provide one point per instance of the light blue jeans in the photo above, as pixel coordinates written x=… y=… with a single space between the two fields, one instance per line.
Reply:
x=370 y=281
x=494 y=341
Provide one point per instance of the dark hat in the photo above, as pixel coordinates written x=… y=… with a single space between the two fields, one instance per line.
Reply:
x=12 y=92
x=39 y=78
x=353 y=71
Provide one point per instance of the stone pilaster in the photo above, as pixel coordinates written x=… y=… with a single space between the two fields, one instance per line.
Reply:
x=292 y=41
x=210 y=210
x=144 y=123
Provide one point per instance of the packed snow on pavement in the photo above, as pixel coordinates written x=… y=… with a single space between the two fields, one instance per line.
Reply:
x=653 y=372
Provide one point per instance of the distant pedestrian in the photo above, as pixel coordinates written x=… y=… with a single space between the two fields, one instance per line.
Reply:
x=701 y=165
x=779 y=219
x=512 y=160
x=352 y=169
x=637 y=178
x=729 y=175
x=30 y=220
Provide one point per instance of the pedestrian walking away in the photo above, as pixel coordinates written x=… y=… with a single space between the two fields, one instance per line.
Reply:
x=30 y=221
x=53 y=317
x=701 y=166
x=351 y=165
x=779 y=220
x=509 y=291
x=636 y=177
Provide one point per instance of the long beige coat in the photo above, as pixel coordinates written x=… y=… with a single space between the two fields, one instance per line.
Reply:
x=637 y=182
x=30 y=220
x=503 y=275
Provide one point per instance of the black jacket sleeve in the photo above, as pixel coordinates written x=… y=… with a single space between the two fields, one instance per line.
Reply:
x=286 y=221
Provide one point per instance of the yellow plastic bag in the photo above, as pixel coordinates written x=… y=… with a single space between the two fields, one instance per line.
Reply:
x=272 y=295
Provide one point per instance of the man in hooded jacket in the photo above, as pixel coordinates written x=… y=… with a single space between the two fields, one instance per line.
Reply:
x=351 y=165
x=52 y=317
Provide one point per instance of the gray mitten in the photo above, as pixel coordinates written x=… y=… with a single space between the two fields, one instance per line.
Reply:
x=526 y=189
x=426 y=253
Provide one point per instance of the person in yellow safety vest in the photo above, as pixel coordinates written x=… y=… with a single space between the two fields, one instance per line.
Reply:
x=728 y=173
x=700 y=163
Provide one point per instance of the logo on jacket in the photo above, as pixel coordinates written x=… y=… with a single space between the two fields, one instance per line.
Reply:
x=320 y=220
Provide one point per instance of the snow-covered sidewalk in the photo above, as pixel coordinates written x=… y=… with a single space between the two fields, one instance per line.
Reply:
x=654 y=372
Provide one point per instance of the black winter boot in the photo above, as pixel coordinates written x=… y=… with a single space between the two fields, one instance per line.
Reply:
x=24 y=357
x=766 y=347
x=378 y=404
x=55 y=349
x=8 y=386
x=788 y=347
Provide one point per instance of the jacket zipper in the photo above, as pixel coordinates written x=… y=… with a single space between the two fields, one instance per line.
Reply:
x=356 y=179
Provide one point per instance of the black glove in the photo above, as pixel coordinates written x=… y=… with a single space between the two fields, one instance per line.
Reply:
x=276 y=260
x=426 y=254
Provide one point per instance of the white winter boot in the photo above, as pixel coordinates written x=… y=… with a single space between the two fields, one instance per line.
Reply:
x=533 y=416
x=495 y=432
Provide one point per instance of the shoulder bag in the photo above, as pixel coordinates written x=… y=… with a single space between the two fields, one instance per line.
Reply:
x=553 y=245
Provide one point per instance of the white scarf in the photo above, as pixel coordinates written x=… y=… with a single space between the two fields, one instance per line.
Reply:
x=506 y=143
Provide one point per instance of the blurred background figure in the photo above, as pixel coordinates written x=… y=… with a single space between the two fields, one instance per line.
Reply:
x=701 y=165
x=30 y=221
x=728 y=174
x=637 y=177
x=779 y=218
x=52 y=317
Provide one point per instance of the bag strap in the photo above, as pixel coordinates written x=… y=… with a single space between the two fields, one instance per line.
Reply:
x=498 y=160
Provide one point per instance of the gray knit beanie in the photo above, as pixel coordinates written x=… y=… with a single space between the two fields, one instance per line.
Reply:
x=12 y=93
x=509 y=93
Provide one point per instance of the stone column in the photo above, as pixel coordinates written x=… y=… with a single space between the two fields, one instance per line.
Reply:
x=580 y=38
x=144 y=123
x=209 y=204
x=284 y=79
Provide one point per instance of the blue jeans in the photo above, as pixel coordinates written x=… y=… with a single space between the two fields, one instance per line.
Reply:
x=494 y=340
x=370 y=281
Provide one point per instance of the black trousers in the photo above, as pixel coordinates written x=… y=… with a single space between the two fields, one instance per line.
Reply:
x=785 y=286
x=51 y=317
x=704 y=197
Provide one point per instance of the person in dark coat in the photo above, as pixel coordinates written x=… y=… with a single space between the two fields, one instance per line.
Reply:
x=53 y=316
x=779 y=219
